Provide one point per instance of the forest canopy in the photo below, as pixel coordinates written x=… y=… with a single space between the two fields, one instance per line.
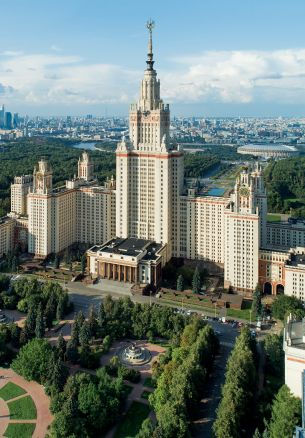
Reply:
x=285 y=183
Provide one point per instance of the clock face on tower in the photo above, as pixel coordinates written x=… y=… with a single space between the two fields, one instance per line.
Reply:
x=244 y=192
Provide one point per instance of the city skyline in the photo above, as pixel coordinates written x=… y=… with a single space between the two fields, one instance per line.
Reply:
x=78 y=60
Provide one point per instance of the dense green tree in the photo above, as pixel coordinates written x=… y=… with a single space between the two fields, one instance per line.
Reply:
x=57 y=376
x=146 y=430
x=238 y=391
x=3 y=349
x=257 y=307
x=106 y=343
x=285 y=183
x=31 y=319
x=196 y=283
x=180 y=283
x=286 y=414
x=92 y=322
x=15 y=334
x=71 y=351
x=84 y=334
x=283 y=305
x=60 y=309
x=273 y=346
x=49 y=314
x=40 y=326
x=34 y=360
x=61 y=346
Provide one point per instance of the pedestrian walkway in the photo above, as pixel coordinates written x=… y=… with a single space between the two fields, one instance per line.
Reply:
x=41 y=400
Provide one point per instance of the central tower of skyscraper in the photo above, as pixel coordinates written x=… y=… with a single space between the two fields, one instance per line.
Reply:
x=149 y=170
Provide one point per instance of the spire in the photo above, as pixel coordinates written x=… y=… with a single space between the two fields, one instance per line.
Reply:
x=150 y=63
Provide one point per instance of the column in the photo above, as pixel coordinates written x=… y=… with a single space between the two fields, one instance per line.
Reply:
x=124 y=274
x=109 y=270
x=119 y=272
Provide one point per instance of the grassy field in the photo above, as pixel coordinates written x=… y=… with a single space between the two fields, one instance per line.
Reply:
x=240 y=314
x=20 y=430
x=131 y=423
x=23 y=409
x=273 y=218
x=10 y=390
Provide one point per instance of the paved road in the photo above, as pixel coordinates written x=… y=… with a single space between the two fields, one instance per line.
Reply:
x=212 y=392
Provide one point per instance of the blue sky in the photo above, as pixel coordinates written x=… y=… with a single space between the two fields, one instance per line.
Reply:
x=214 y=58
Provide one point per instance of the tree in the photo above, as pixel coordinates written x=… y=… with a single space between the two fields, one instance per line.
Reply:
x=283 y=305
x=57 y=261
x=196 y=283
x=57 y=376
x=61 y=346
x=257 y=302
x=34 y=360
x=83 y=263
x=84 y=335
x=49 y=314
x=238 y=391
x=92 y=322
x=71 y=351
x=273 y=346
x=180 y=283
x=286 y=414
x=106 y=343
x=60 y=309
x=40 y=327
x=15 y=334
x=31 y=319
x=146 y=430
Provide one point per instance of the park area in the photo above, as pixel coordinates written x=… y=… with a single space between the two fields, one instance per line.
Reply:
x=24 y=407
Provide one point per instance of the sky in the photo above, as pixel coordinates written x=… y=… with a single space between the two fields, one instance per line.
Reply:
x=213 y=57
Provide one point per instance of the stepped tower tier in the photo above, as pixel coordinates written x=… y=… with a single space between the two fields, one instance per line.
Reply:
x=149 y=118
x=85 y=167
x=149 y=170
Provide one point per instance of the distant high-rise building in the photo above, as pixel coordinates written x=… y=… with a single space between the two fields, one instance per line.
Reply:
x=2 y=113
x=8 y=120
x=15 y=120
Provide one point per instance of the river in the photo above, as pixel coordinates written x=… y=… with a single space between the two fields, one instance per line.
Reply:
x=86 y=145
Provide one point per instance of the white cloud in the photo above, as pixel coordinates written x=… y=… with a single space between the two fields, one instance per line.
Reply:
x=219 y=76
x=238 y=77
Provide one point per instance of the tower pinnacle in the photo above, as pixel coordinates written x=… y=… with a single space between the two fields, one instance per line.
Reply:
x=150 y=63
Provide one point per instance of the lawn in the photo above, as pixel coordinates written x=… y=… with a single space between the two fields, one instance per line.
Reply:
x=23 y=409
x=273 y=218
x=240 y=314
x=132 y=421
x=20 y=430
x=10 y=390
x=149 y=382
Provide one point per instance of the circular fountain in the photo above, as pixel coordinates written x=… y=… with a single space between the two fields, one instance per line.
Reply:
x=134 y=355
